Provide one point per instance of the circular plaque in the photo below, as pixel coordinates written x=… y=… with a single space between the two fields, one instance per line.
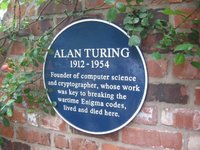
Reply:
x=98 y=82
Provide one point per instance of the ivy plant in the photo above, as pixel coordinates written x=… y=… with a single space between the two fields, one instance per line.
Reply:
x=181 y=44
x=137 y=23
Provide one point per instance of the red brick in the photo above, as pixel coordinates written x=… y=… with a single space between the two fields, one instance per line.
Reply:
x=181 y=118
x=32 y=119
x=149 y=43
x=152 y=138
x=157 y=68
x=97 y=3
x=167 y=116
x=18 y=116
x=6 y=131
x=22 y=11
x=108 y=137
x=22 y=105
x=61 y=142
x=1 y=79
x=24 y=32
x=65 y=22
x=114 y=147
x=193 y=142
x=20 y=146
x=31 y=11
x=58 y=8
x=18 y=48
x=197 y=96
x=19 y=11
x=33 y=136
x=188 y=119
x=93 y=3
x=53 y=123
x=39 y=27
x=156 y=15
x=175 y=1
x=41 y=147
x=187 y=24
x=2 y=59
x=8 y=145
x=186 y=71
x=170 y=93
x=83 y=144
x=147 y=115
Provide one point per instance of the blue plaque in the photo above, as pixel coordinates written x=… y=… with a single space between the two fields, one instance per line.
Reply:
x=98 y=82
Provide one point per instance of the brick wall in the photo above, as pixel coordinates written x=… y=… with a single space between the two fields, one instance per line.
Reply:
x=169 y=119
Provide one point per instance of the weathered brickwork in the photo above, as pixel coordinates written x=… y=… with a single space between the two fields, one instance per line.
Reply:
x=169 y=118
x=152 y=138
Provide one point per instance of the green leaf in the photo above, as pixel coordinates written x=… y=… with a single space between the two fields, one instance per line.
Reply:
x=112 y=14
x=143 y=9
x=156 y=55
x=110 y=2
x=198 y=52
x=160 y=24
x=45 y=109
x=179 y=58
x=139 y=1
x=143 y=15
x=25 y=63
x=35 y=53
x=27 y=91
x=128 y=20
x=129 y=27
x=3 y=98
x=166 y=41
x=138 y=29
x=31 y=110
x=145 y=22
x=121 y=7
x=134 y=40
x=196 y=64
x=136 y=20
x=184 y=47
x=9 y=76
x=53 y=113
x=4 y=5
x=45 y=38
x=10 y=102
x=194 y=35
x=26 y=41
x=196 y=21
x=144 y=33
x=35 y=63
x=6 y=122
x=54 y=104
x=22 y=80
x=169 y=11
x=40 y=59
x=2 y=28
x=1 y=141
x=9 y=112
x=19 y=99
x=128 y=1
x=39 y=2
